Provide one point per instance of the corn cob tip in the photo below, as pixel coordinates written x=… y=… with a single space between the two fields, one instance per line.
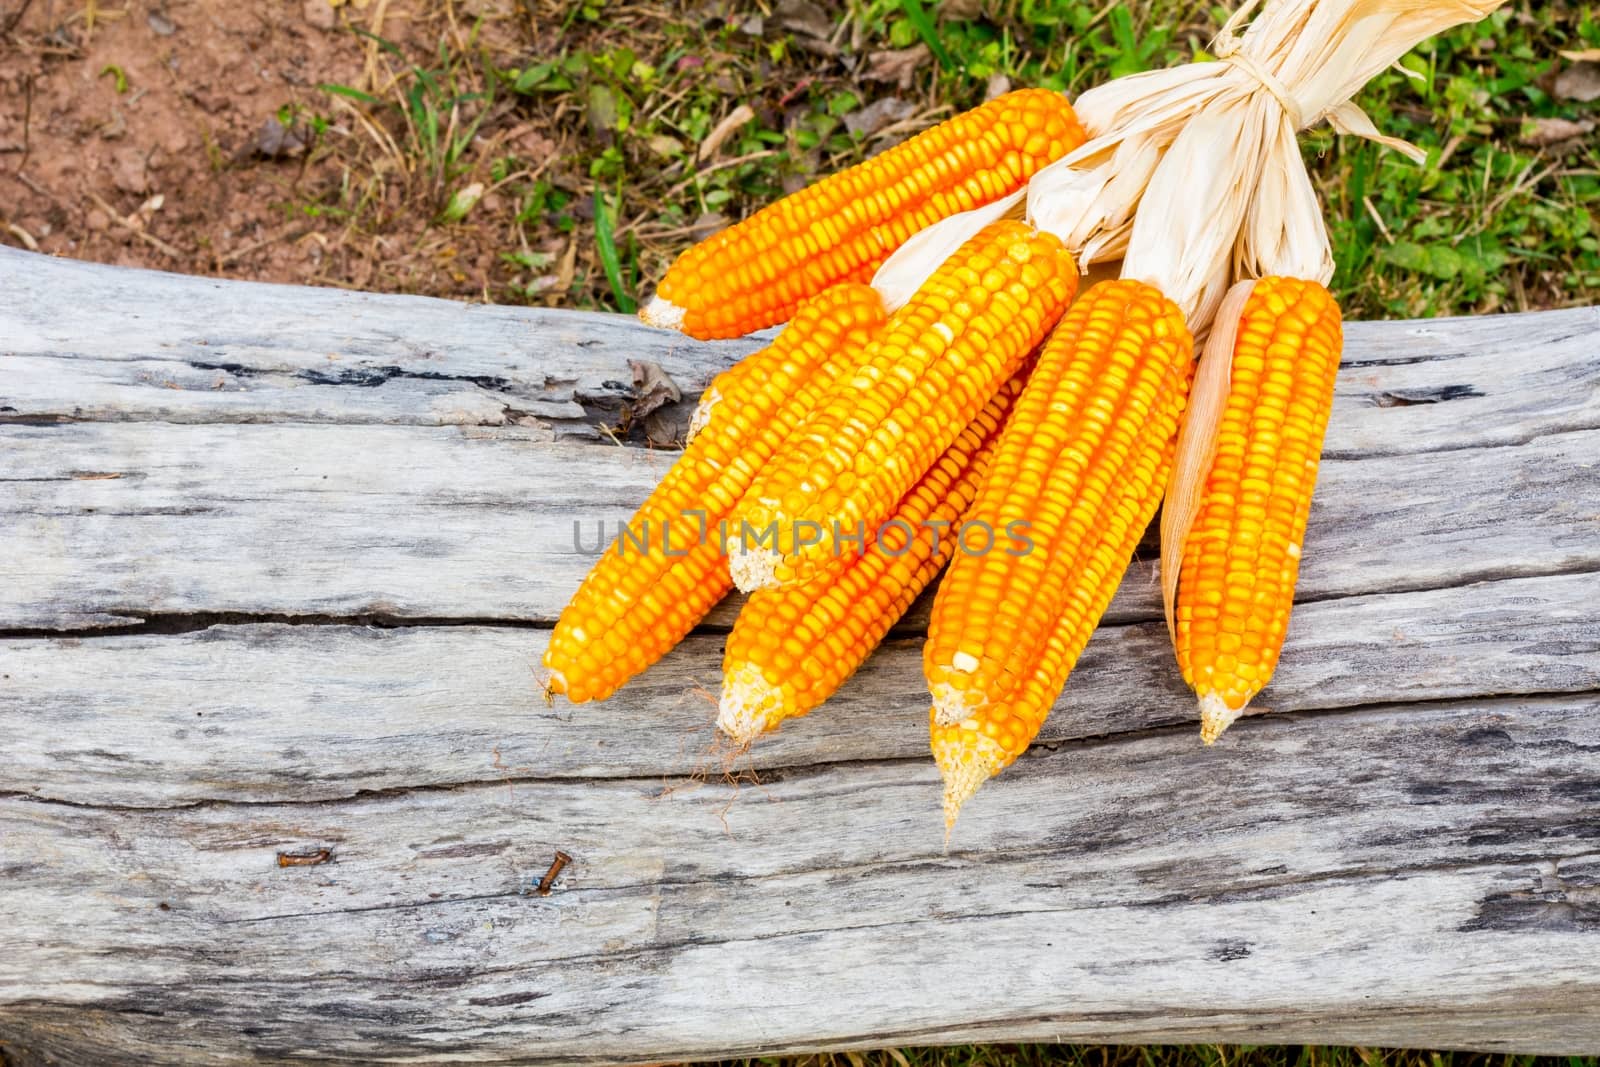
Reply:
x=662 y=313
x=749 y=704
x=960 y=783
x=552 y=683
x=964 y=768
x=950 y=705
x=1216 y=716
x=752 y=567
x=702 y=414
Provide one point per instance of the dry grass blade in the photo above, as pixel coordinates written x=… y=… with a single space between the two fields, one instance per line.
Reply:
x=723 y=130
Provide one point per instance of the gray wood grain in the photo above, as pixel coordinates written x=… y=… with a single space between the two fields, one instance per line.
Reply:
x=244 y=352
x=277 y=712
x=143 y=345
x=118 y=522
x=1365 y=870
x=279 y=567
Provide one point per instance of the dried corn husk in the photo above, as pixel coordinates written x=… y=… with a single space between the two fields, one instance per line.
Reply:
x=1197 y=443
x=1192 y=175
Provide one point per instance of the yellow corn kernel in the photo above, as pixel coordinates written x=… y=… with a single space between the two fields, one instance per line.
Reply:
x=840 y=620
x=754 y=274
x=1242 y=554
x=655 y=583
x=1078 y=472
x=933 y=368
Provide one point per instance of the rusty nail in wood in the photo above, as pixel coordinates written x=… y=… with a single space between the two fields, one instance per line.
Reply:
x=549 y=879
x=305 y=859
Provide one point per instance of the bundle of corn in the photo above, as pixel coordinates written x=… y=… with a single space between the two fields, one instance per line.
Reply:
x=976 y=391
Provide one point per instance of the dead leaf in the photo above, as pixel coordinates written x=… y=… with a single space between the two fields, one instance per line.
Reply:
x=1580 y=82
x=662 y=431
x=461 y=202
x=803 y=17
x=999 y=85
x=24 y=236
x=816 y=46
x=116 y=128
x=274 y=140
x=723 y=130
x=652 y=388
x=567 y=267
x=1543 y=132
x=877 y=115
x=899 y=66
x=961 y=9
x=530 y=143
x=1587 y=55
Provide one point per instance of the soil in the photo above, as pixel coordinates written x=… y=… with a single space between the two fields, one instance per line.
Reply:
x=153 y=134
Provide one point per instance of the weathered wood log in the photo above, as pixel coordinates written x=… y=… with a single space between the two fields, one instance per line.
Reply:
x=275 y=781
x=212 y=715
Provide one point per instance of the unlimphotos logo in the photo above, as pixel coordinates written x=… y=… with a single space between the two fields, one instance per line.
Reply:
x=676 y=539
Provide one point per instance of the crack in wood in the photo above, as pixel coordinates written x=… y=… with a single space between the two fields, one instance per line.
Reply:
x=781 y=773
x=1432 y=395
x=995 y=862
x=143 y=622
x=173 y=623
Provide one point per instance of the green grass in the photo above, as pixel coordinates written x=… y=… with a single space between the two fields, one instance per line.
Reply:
x=624 y=96
x=1487 y=223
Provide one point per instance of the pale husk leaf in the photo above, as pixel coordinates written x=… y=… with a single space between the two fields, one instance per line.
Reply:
x=1179 y=223
x=1284 y=231
x=1184 y=234
x=1197 y=443
x=903 y=273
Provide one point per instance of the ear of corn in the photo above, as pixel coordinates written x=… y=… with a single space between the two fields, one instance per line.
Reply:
x=1240 y=559
x=1082 y=465
x=794 y=646
x=1110 y=383
x=943 y=355
x=650 y=588
x=754 y=274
